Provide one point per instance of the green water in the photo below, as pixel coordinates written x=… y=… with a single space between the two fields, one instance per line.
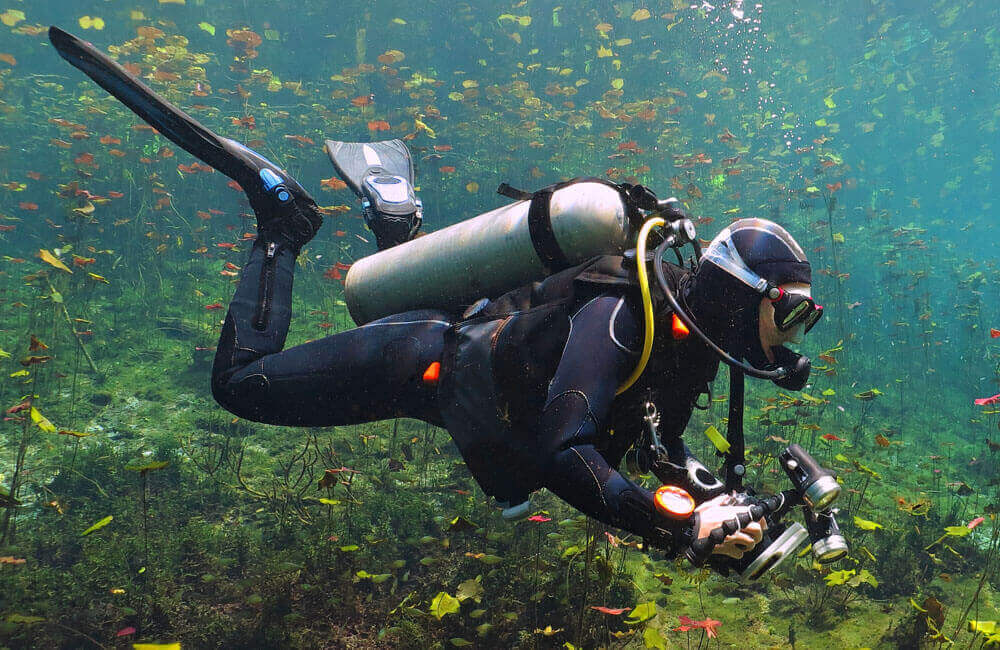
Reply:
x=867 y=128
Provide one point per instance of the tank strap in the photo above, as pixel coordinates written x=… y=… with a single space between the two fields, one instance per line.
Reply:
x=540 y=223
x=542 y=237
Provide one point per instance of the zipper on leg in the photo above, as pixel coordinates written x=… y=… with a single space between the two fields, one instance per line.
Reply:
x=266 y=288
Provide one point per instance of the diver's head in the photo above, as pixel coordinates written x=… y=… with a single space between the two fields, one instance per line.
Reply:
x=750 y=273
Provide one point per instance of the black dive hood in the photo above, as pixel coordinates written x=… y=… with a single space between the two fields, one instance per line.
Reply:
x=723 y=311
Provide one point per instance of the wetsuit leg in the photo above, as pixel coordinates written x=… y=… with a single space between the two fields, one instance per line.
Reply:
x=369 y=373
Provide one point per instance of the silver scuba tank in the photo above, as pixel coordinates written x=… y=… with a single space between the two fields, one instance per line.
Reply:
x=489 y=254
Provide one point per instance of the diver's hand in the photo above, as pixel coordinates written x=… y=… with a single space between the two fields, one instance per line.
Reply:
x=712 y=514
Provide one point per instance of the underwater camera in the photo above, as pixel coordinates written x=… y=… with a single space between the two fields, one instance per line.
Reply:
x=815 y=488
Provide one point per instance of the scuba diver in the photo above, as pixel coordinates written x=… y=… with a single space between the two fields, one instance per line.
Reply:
x=548 y=385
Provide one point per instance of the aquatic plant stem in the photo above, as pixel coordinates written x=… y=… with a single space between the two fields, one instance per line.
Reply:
x=76 y=335
x=987 y=571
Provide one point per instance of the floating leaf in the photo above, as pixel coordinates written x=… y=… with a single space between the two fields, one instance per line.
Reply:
x=641 y=14
x=717 y=439
x=99 y=525
x=51 y=259
x=470 y=589
x=39 y=419
x=156 y=646
x=865 y=524
x=87 y=23
x=11 y=17
x=148 y=467
x=208 y=27
x=24 y=620
x=444 y=604
x=642 y=612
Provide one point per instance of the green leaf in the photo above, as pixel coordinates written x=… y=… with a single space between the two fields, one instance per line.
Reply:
x=376 y=578
x=641 y=612
x=835 y=578
x=208 y=27
x=653 y=639
x=42 y=422
x=349 y=548
x=864 y=524
x=864 y=576
x=99 y=525
x=329 y=502
x=459 y=642
x=444 y=604
x=470 y=589
x=957 y=531
x=24 y=620
x=148 y=467
x=985 y=627
x=717 y=438
x=491 y=559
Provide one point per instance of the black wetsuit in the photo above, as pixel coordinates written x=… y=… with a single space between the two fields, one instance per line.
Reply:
x=527 y=388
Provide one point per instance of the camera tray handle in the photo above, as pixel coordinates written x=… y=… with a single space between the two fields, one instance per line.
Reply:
x=701 y=548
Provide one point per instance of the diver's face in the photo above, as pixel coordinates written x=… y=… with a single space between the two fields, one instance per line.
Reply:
x=770 y=335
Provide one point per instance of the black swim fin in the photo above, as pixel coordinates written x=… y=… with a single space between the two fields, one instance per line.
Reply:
x=259 y=177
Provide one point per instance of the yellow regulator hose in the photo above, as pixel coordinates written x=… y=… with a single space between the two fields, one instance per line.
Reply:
x=647 y=301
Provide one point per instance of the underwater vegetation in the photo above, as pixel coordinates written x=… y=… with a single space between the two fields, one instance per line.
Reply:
x=134 y=512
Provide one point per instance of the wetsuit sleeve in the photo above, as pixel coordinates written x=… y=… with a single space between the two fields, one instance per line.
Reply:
x=600 y=352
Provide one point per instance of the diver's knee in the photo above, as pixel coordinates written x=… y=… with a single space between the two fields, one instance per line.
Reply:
x=241 y=395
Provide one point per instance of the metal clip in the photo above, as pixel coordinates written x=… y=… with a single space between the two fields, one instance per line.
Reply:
x=652 y=419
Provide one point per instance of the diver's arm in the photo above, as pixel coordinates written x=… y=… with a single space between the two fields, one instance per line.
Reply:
x=598 y=356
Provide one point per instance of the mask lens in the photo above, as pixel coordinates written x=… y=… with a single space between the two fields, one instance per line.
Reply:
x=813 y=317
x=794 y=315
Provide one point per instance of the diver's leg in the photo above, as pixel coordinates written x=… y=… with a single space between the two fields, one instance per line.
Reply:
x=369 y=373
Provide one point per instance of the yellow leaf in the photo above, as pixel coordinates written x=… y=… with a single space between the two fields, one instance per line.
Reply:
x=137 y=15
x=456 y=97
x=838 y=238
x=399 y=21
x=49 y=258
x=11 y=17
x=618 y=83
x=42 y=422
x=87 y=23
x=99 y=278
x=641 y=14
x=820 y=122
x=472 y=187
x=829 y=102
x=603 y=52
x=702 y=95
x=720 y=443
x=674 y=24
x=865 y=524
x=156 y=646
x=20 y=373
x=208 y=27
x=172 y=2
x=470 y=83
x=524 y=21
x=622 y=42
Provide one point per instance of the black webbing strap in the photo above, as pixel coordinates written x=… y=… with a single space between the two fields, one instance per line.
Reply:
x=542 y=237
x=735 y=465
x=513 y=193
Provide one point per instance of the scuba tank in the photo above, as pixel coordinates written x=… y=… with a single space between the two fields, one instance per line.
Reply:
x=489 y=254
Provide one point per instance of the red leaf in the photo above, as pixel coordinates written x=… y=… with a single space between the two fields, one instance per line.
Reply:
x=539 y=518
x=611 y=610
x=994 y=333
x=125 y=631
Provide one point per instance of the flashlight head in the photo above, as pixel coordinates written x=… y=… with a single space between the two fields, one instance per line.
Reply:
x=829 y=549
x=821 y=494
